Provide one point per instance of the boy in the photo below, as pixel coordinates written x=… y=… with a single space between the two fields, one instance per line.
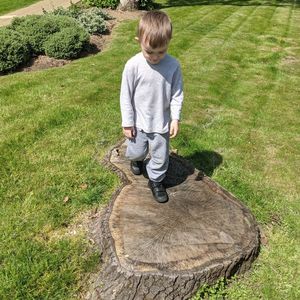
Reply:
x=151 y=99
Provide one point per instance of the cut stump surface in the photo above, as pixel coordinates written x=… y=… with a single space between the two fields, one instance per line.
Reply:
x=165 y=251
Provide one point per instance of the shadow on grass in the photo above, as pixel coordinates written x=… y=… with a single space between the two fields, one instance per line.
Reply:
x=171 y=3
x=181 y=167
x=206 y=161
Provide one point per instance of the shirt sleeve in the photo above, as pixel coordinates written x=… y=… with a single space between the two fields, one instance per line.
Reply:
x=177 y=95
x=126 y=94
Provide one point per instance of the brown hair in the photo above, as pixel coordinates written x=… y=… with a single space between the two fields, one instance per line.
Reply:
x=155 y=28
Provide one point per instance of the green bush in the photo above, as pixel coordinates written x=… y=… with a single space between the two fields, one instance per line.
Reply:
x=142 y=4
x=65 y=22
x=67 y=43
x=14 y=50
x=37 y=29
x=146 y=4
x=102 y=3
x=92 y=21
x=73 y=11
x=100 y=12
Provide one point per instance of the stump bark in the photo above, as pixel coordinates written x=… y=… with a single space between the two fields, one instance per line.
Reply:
x=166 y=251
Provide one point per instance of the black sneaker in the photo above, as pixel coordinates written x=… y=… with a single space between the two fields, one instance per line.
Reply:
x=159 y=191
x=136 y=167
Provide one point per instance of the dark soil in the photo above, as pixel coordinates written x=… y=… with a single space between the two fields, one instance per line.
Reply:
x=41 y=62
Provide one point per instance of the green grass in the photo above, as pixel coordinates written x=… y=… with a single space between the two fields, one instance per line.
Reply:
x=241 y=66
x=10 y=5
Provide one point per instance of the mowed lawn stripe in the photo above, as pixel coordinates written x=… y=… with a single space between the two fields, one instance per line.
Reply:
x=190 y=17
x=295 y=24
x=205 y=53
x=212 y=43
x=191 y=34
x=227 y=29
x=241 y=29
x=260 y=20
x=224 y=76
x=281 y=20
x=277 y=152
x=276 y=115
x=269 y=124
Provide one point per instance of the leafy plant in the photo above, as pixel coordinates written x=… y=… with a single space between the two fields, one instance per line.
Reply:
x=146 y=4
x=100 y=12
x=14 y=50
x=67 y=43
x=92 y=21
x=37 y=29
x=214 y=292
x=102 y=3
x=73 y=12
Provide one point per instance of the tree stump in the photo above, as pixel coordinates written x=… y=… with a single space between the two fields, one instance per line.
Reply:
x=166 y=251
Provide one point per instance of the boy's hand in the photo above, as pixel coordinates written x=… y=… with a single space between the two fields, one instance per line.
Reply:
x=174 y=128
x=129 y=132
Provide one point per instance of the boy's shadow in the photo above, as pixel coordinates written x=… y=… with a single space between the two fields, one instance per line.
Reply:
x=206 y=161
x=180 y=168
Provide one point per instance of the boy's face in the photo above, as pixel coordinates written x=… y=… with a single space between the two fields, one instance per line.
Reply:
x=153 y=55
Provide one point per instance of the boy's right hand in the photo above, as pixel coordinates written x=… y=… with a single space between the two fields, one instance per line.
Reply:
x=129 y=132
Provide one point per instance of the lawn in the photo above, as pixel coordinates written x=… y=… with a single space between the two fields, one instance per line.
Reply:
x=10 y=5
x=241 y=67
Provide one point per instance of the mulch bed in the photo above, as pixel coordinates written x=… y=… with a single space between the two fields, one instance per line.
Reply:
x=97 y=43
x=41 y=62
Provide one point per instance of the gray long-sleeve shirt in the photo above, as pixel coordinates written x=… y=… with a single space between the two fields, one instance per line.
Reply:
x=151 y=95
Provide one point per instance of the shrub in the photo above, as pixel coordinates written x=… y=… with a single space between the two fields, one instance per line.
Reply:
x=14 y=50
x=92 y=21
x=66 y=22
x=102 y=3
x=67 y=43
x=37 y=29
x=100 y=12
x=146 y=4
x=73 y=11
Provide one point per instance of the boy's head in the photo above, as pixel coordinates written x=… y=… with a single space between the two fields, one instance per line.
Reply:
x=154 y=34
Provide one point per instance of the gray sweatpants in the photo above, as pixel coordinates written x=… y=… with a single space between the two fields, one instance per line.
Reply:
x=157 y=145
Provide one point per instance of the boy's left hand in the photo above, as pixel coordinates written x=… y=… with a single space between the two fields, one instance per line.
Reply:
x=174 y=128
